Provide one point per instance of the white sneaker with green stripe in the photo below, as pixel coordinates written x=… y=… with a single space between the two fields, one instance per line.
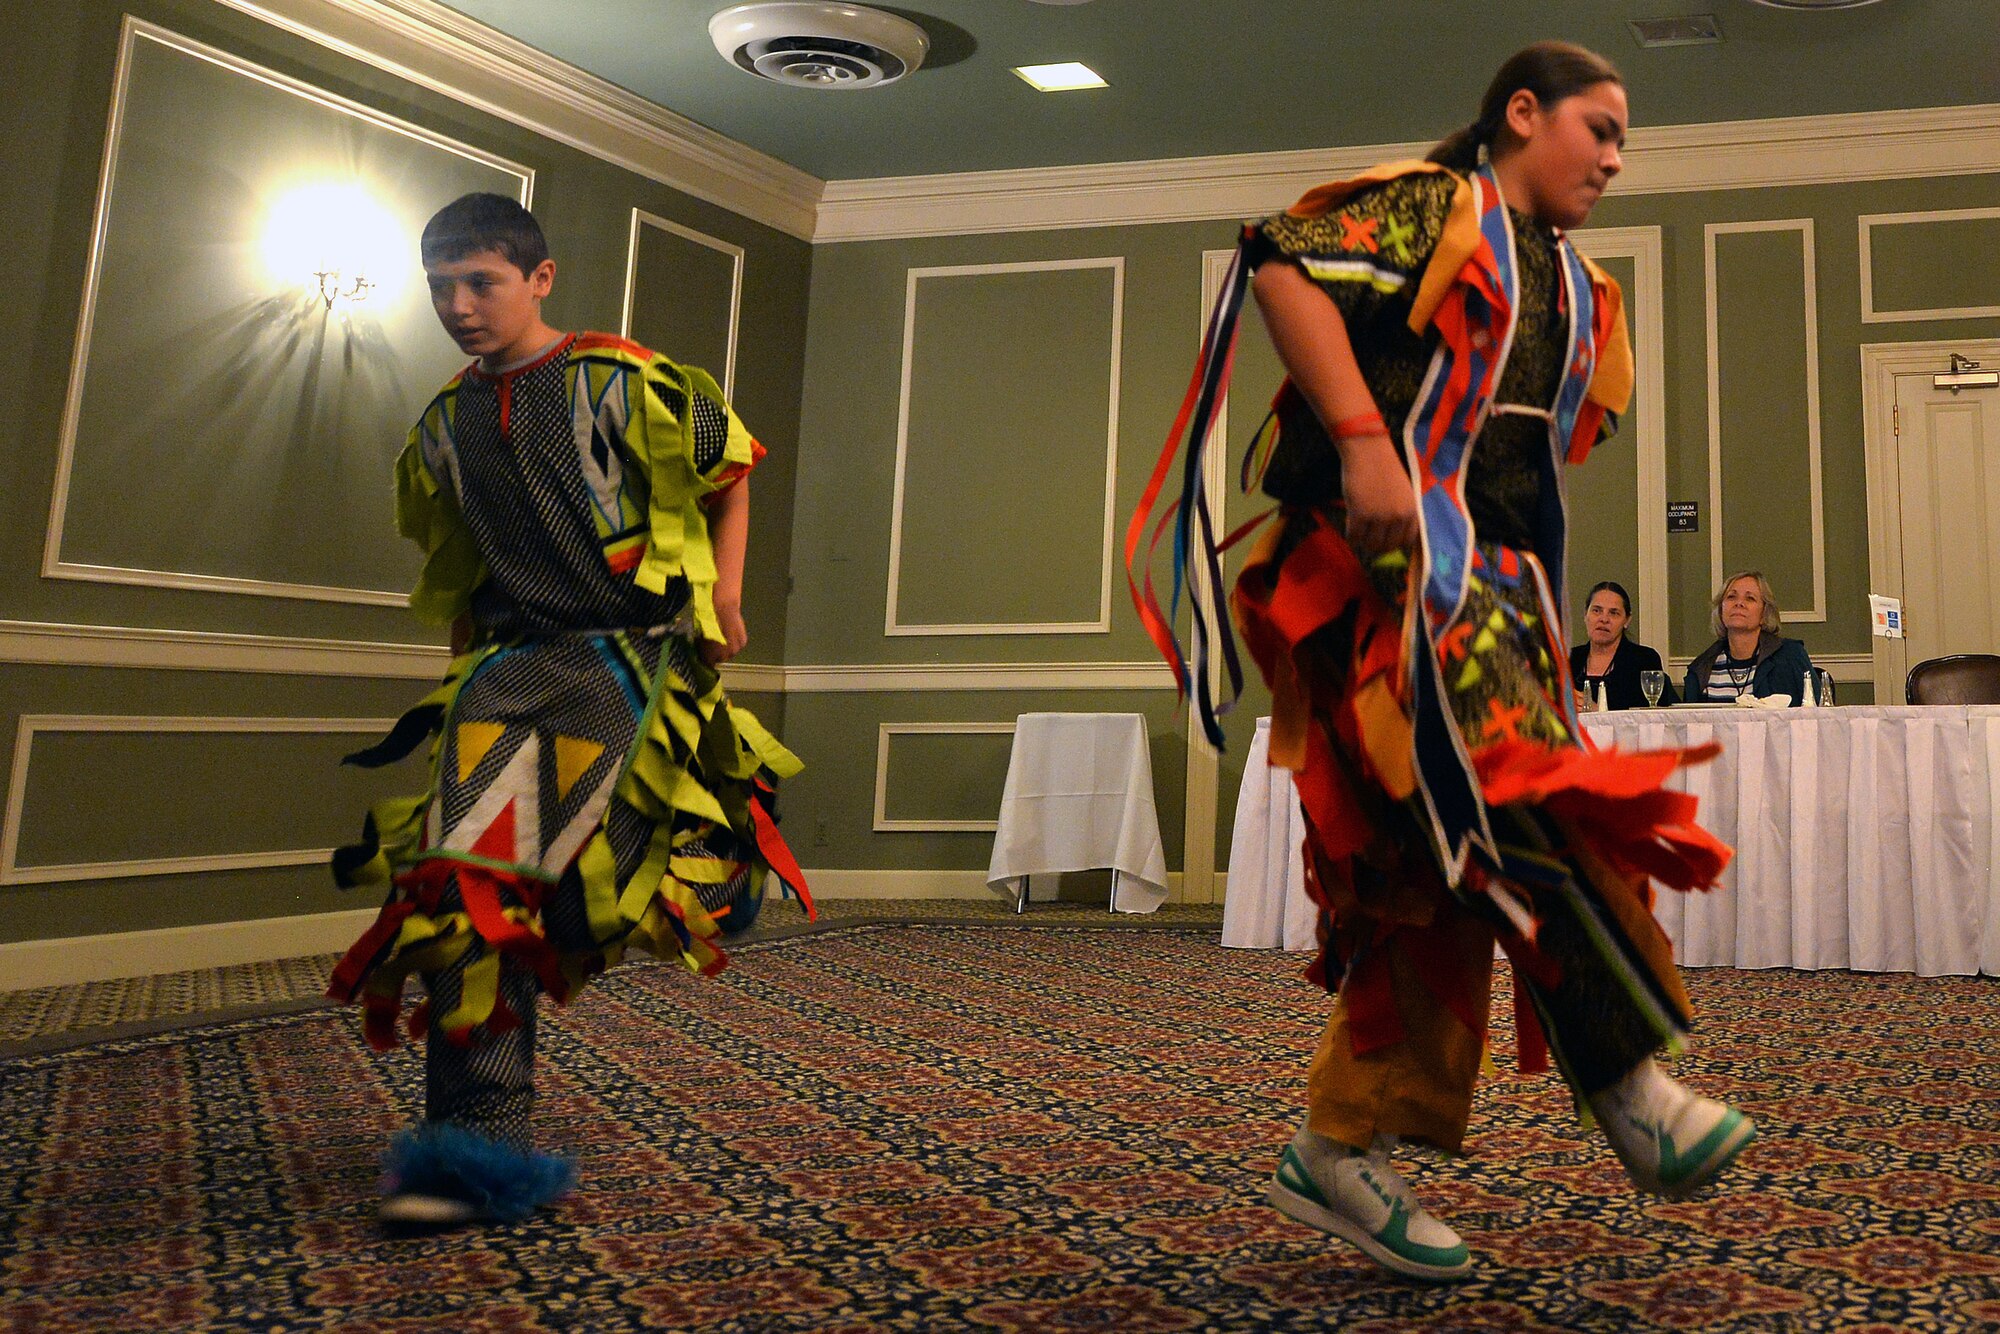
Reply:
x=1672 y=1141
x=1361 y=1199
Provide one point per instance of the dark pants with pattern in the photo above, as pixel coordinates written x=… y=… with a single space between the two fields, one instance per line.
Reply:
x=486 y=1085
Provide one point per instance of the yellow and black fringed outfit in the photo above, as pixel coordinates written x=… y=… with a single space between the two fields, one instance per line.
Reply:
x=592 y=786
x=1423 y=700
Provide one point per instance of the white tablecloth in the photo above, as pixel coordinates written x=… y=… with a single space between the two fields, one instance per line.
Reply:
x=1079 y=797
x=1265 y=905
x=1865 y=838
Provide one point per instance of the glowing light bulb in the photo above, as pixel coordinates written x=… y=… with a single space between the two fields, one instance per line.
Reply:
x=338 y=241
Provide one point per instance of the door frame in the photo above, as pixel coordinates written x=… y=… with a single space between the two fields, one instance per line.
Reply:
x=1881 y=363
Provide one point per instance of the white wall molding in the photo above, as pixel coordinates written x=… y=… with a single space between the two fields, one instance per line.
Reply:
x=67 y=645
x=29 y=725
x=863 y=677
x=892 y=624
x=883 y=824
x=1868 y=222
x=1814 y=471
x=438 y=48
x=753 y=677
x=58 y=644
x=1663 y=159
x=1642 y=245
x=71 y=960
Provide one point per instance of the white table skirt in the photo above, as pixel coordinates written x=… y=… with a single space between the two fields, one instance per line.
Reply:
x=1079 y=797
x=1265 y=906
x=1865 y=838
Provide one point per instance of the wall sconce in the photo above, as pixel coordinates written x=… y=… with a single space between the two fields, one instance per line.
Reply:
x=330 y=290
x=336 y=241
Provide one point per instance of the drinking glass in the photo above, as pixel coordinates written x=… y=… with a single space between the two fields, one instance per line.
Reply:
x=1653 y=685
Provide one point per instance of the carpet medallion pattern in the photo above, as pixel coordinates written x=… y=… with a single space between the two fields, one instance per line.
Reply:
x=886 y=1128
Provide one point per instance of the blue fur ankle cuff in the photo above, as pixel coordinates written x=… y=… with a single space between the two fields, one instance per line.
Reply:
x=503 y=1182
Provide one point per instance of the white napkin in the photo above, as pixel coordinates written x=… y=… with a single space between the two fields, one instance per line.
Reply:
x=1764 y=701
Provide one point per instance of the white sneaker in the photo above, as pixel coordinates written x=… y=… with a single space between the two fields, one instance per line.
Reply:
x=1672 y=1141
x=1360 y=1198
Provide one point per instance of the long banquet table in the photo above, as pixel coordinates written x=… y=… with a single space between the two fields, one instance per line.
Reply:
x=1865 y=837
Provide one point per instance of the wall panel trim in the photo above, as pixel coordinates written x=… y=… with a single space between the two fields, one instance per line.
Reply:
x=1868 y=222
x=1642 y=245
x=131 y=32
x=1814 y=475
x=641 y=218
x=898 y=677
x=29 y=725
x=883 y=824
x=892 y=626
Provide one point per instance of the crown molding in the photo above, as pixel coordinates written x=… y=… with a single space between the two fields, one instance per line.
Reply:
x=1664 y=159
x=443 y=50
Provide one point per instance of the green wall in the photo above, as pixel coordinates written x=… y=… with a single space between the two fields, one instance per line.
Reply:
x=1011 y=382
x=853 y=391
x=231 y=429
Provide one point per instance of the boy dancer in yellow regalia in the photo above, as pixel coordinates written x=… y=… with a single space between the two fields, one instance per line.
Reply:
x=582 y=504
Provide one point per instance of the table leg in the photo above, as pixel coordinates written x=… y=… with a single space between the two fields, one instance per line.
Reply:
x=1021 y=895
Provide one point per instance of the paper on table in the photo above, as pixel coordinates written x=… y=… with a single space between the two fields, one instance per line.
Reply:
x=1763 y=701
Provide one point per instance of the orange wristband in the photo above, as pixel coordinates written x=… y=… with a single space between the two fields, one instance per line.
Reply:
x=1360 y=425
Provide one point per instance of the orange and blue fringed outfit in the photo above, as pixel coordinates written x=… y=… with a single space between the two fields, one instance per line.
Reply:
x=592 y=787
x=1423 y=700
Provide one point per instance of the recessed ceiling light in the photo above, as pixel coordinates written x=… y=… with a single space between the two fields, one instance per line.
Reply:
x=1815 y=4
x=1687 y=30
x=1060 y=77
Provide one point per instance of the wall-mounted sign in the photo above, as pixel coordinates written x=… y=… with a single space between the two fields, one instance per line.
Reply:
x=1886 y=615
x=1683 y=516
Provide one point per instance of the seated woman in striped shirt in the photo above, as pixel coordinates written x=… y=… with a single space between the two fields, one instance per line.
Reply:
x=1749 y=656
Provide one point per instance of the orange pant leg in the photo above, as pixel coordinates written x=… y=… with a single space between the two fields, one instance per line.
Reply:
x=1419 y=1089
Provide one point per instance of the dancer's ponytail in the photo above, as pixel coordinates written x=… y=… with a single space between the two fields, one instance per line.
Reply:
x=1551 y=71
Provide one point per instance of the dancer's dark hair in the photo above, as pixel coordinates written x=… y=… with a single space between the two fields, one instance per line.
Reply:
x=477 y=222
x=1551 y=71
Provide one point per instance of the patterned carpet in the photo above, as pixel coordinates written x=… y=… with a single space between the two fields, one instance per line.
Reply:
x=958 y=1127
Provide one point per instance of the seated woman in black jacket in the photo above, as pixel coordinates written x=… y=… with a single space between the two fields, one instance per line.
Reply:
x=1748 y=657
x=1608 y=658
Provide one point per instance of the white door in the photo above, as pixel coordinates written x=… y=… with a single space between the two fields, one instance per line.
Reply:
x=1948 y=488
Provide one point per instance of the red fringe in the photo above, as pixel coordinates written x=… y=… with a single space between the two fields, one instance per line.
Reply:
x=1615 y=797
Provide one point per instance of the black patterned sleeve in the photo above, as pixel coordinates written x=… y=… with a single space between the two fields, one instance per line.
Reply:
x=1369 y=253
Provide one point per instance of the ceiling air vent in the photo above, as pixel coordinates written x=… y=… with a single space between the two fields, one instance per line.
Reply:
x=819 y=45
x=1687 y=30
